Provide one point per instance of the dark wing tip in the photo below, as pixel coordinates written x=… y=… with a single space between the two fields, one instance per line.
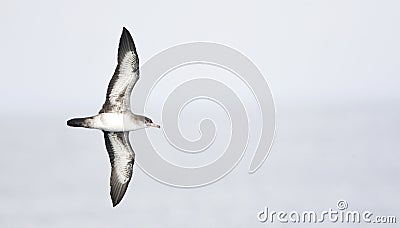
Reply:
x=126 y=44
x=126 y=37
x=117 y=192
x=125 y=31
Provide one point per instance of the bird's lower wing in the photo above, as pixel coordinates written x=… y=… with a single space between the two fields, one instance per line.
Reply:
x=122 y=159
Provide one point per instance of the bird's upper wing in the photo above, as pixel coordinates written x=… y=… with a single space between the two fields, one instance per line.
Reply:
x=122 y=159
x=125 y=76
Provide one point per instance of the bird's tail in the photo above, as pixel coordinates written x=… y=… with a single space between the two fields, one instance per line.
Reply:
x=77 y=122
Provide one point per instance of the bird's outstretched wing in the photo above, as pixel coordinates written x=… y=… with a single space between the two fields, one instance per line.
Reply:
x=122 y=159
x=125 y=76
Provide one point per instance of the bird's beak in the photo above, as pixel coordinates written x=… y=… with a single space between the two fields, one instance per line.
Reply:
x=154 y=125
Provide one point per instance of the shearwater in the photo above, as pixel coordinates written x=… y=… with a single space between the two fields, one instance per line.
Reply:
x=116 y=119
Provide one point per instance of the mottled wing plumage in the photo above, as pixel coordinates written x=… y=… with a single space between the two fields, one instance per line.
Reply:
x=125 y=76
x=122 y=159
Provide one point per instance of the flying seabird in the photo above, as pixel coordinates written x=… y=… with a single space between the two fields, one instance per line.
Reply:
x=116 y=119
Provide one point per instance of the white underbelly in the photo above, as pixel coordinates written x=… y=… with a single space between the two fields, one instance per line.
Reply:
x=113 y=122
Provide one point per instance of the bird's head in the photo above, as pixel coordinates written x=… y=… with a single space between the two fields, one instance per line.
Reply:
x=149 y=123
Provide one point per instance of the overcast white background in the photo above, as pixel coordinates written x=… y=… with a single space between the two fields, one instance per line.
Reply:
x=333 y=67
